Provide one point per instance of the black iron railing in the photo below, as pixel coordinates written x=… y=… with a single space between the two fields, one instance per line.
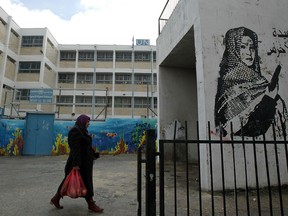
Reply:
x=257 y=184
x=166 y=13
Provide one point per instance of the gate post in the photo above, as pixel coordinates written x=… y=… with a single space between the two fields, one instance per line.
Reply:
x=150 y=173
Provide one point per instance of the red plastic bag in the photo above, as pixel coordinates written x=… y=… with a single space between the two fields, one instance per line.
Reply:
x=73 y=185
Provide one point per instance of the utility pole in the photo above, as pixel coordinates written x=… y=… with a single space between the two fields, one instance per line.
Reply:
x=94 y=83
x=133 y=60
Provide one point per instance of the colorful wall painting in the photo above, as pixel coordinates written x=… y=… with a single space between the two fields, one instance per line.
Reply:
x=11 y=137
x=113 y=136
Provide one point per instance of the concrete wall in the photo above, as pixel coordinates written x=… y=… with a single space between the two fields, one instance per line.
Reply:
x=239 y=90
x=10 y=69
x=266 y=19
x=49 y=77
x=14 y=41
x=178 y=102
x=2 y=32
x=177 y=85
x=182 y=19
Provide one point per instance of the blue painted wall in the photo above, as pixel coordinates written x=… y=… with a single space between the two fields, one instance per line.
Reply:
x=113 y=136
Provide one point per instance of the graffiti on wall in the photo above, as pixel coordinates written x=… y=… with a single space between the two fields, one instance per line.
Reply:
x=280 y=46
x=244 y=96
x=113 y=136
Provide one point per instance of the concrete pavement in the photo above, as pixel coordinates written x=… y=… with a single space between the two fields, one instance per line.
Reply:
x=28 y=183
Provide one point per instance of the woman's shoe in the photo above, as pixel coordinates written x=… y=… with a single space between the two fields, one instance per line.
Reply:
x=56 y=201
x=93 y=207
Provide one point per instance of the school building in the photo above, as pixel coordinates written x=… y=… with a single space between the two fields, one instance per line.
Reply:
x=104 y=81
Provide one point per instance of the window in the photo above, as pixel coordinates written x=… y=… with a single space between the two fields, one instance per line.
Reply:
x=104 y=56
x=155 y=79
x=155 y=102
x=154 y=56
x=15 y=33
x=123 y=79
x=11 y=59
x=65 y=78
x=143 y=56
x=85 y=78
x=32 y=41
x=122 y=102
x=102 y=101
x=86 y=56
x=22 y=94
x=123 y=56
x=141 y=102
x=142 y=79
x=64 y=99
x=103 y=78
x=50 y=43
x=29 y=67
x=48 y=67
x=83 y=100
x=67 y=55
x=2 y=21
x=7 y=87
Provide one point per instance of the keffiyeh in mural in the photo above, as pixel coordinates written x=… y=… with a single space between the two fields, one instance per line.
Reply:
x=244 y=96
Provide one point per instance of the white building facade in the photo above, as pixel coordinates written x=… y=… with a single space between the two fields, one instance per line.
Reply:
x=38 y=74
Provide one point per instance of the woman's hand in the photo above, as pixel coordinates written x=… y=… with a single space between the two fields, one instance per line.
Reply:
x=271 y=94
x=96 y=155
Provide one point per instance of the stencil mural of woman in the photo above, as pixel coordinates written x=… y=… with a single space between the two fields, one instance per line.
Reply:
x=244 y=95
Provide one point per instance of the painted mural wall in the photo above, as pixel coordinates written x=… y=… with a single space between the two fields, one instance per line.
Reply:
x=245 y=65
x=241 y=50
x=113 y=136
x=245 y=96
x=245 y=47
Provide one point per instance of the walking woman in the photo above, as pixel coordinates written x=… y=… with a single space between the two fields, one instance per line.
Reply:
x=81 y=157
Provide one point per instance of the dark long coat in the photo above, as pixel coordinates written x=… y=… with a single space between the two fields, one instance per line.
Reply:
x=82 y=155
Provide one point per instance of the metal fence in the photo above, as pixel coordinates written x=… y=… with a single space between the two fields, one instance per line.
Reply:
x=16 y=104
x=222 y=181
x=166 y=13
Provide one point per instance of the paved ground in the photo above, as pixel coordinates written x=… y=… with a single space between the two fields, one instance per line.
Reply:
x=27 y=184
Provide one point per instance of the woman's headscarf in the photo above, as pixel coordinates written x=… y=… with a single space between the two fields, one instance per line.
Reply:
x=82 y=120
x=240 y=87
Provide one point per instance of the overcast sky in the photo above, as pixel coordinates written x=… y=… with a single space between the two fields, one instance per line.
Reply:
x=89 y=21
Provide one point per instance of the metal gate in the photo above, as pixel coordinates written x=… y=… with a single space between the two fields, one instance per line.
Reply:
x=39 y=133
x=174 y=187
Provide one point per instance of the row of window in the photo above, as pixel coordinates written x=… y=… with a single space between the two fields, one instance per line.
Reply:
x=90 y=55
x=107 y=78
x=34 y=67
x=124 y=102
x=121 y=56
x=120 y=102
